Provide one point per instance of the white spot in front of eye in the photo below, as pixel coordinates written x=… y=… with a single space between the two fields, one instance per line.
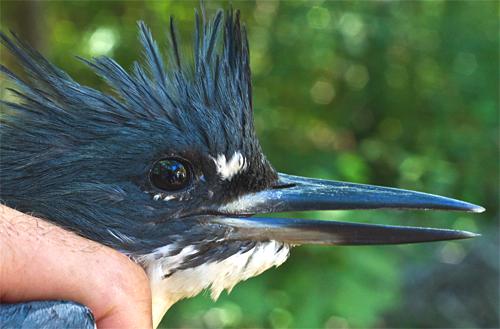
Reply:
x=228 y=169
x=168 y=197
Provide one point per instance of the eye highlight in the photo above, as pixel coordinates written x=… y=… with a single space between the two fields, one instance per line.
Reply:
x=170 y=174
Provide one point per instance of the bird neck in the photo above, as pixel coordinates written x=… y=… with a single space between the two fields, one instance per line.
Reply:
x=171 y=282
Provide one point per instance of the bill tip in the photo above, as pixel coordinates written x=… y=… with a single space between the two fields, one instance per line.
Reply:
x=468 y=235
x=477 y=209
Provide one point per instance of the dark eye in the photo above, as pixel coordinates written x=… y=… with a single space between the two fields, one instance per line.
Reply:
x=170 y=174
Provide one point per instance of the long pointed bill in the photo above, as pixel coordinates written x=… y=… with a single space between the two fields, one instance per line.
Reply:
x=293 y=193
x=308 y=231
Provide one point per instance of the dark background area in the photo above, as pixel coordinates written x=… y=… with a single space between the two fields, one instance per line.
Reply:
x=392 y=93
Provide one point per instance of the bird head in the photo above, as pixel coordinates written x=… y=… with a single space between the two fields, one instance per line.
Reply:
x=168 y=169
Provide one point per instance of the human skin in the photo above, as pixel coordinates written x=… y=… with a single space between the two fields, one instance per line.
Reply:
x=41 y=261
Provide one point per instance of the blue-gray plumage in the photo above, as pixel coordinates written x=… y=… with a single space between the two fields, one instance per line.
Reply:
x=46 y=315
x=168 y=169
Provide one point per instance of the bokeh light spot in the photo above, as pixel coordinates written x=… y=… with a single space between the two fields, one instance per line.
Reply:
x=228 y=315
x=352 y=167
x=102 y=41
x=353 y=30
x=265 y=11
x=318 y=17
x=412 y=168
x=280 y=318
x=452 y=253
x=322 y=92
x=336 y=322
x=357 y=76
x=351 y=24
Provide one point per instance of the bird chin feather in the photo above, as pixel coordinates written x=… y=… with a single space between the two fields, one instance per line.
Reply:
x=169 y=285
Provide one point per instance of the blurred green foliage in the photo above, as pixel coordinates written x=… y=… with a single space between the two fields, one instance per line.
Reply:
x=391 y=93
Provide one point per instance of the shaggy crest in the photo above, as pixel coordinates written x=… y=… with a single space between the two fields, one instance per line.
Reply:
x=188 y=95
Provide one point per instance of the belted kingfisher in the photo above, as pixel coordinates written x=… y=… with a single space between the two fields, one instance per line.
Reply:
x=168 y=169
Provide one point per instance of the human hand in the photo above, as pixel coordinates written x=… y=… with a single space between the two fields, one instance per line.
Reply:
x=41 y=261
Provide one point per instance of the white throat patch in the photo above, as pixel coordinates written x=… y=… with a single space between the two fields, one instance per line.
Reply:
x=227 y=169
x=169 y=286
